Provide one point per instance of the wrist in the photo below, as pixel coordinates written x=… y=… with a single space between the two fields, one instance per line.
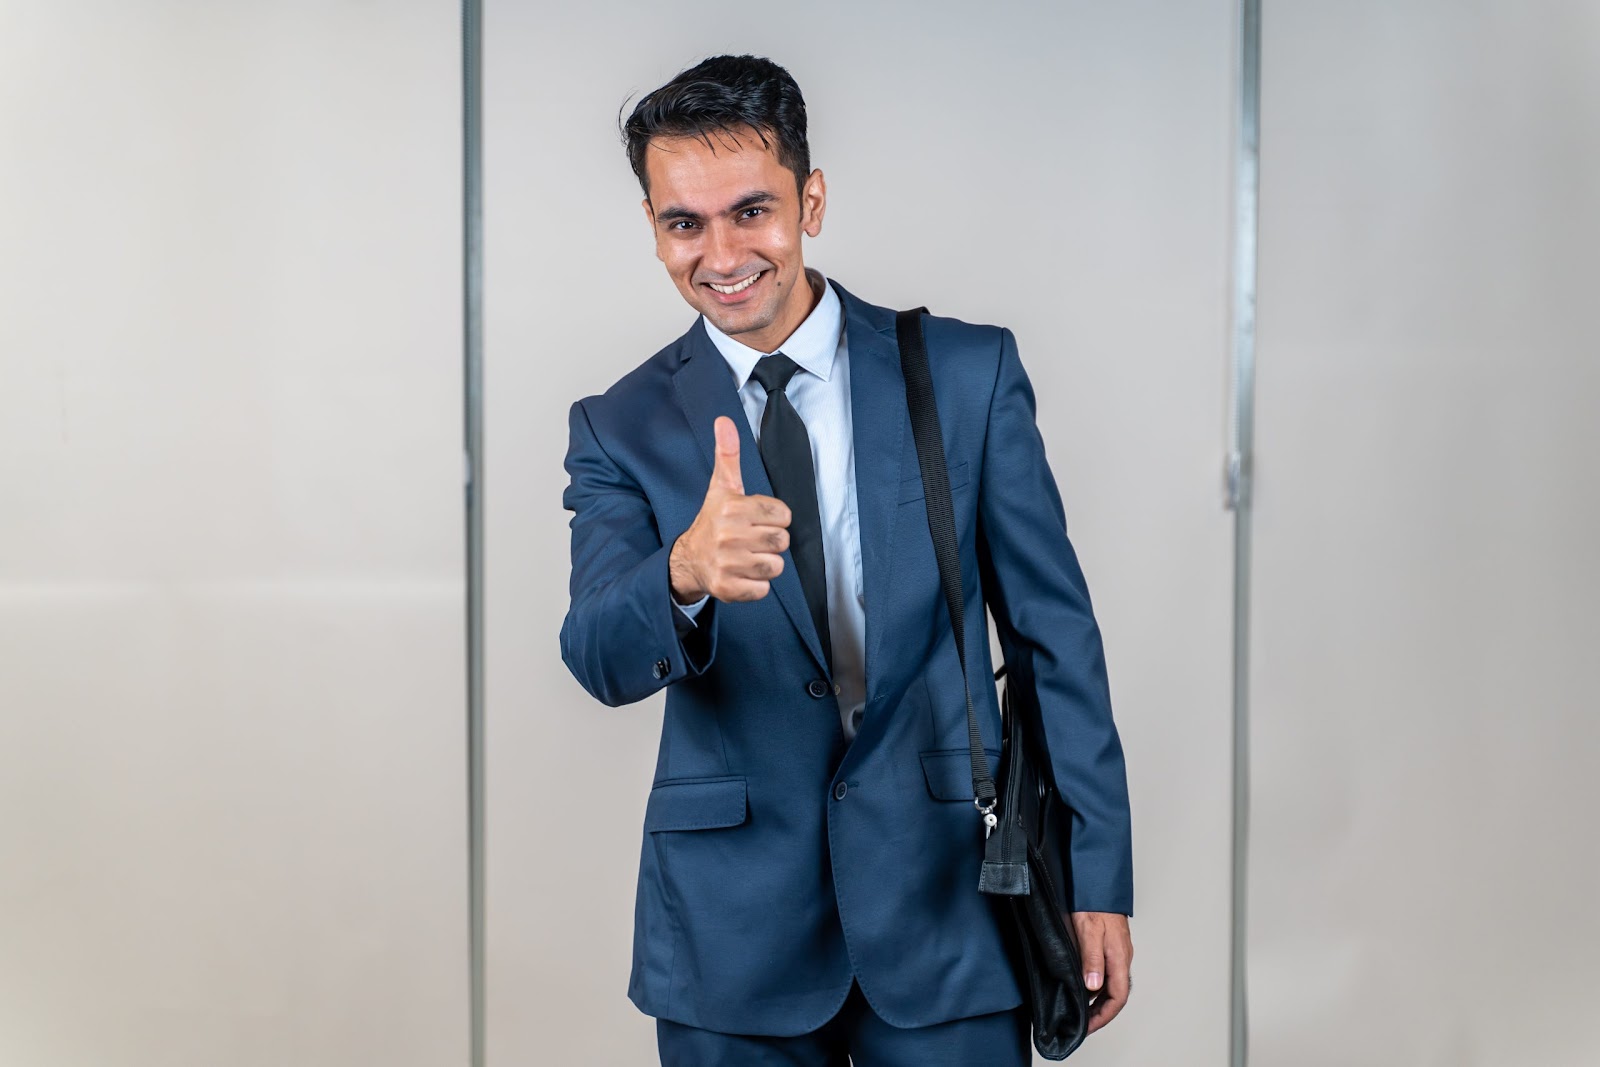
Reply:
x=686 y=589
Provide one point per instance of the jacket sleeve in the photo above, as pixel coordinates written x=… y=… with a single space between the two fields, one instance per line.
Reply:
x=623 y=637
x=1040 y=601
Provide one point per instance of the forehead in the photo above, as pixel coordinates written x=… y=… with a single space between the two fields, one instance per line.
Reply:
x=687 y=170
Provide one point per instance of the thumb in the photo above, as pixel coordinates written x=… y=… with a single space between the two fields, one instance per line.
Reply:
x=726 y=471
x=1092 y=948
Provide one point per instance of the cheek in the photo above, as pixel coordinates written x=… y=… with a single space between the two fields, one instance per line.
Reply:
x=783 y=249
x=676 y=262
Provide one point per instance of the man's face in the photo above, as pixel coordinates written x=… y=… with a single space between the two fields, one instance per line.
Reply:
x=726 y=214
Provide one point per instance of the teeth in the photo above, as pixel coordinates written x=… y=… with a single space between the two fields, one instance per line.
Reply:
x=747 y=283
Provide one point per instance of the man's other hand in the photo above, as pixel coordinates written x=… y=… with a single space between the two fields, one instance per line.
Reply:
x=733 y=548
x=1106 y=947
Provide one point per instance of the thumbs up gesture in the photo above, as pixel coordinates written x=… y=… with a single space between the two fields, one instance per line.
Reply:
x=732 y=549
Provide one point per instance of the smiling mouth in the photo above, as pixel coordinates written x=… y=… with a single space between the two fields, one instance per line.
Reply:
x=738 y=287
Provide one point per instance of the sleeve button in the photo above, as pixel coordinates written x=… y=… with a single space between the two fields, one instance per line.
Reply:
x=661 y=668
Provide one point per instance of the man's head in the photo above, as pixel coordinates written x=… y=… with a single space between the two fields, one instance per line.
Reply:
x=720 y=152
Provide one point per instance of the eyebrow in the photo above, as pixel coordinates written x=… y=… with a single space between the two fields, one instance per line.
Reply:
x=675 y=212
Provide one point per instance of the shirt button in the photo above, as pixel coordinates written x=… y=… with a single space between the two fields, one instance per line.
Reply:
x=840 y=790
x=817 y=688
x=835 y=688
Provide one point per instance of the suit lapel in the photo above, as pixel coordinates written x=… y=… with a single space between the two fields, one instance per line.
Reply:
x=880 y=424
x=705 y=389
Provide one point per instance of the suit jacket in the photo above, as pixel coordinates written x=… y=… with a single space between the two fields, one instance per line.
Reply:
x=777 y=860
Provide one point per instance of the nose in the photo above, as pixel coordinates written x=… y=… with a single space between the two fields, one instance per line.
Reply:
x=723 y=253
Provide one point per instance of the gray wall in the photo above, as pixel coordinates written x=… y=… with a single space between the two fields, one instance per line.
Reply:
x=232 y=818
x=231 y=694
x=1425 y=867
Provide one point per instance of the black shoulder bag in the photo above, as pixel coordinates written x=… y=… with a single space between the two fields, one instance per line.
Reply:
x=1026 y=824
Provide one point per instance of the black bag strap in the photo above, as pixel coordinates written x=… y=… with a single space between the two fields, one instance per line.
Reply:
x=942 y=525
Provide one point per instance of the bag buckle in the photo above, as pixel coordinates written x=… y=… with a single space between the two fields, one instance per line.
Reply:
x=990 y=821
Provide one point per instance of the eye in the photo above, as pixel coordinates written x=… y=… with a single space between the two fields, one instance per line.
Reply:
x=747 y=212
x=679 y=224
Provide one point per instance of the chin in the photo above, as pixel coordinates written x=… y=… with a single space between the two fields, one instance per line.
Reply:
x=737 y=323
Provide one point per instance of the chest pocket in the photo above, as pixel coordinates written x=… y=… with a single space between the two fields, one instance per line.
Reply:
x=911 y=488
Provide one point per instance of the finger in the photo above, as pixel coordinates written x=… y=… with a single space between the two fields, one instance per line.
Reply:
x=745 y=589
x=768 y=510
x=1105 y=1009
x=758 y=538
x=758 y=566
x=1114 y=999
x=725 y=470
x=1118 y=984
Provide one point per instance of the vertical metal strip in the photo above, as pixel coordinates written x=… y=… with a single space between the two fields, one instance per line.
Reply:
x=1241 y=453
x=472 y=320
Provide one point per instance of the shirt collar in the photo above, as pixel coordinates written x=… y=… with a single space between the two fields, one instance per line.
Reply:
x=812 y=345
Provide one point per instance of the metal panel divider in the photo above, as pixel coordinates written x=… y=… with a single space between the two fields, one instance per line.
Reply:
x=1240 y=463
x=472 y=322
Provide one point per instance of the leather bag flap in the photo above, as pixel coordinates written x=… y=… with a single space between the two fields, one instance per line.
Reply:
x=696 y=804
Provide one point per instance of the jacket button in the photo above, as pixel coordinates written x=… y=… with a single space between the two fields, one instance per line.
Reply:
x=840 y=790
x=817 y=688
x=661 y=668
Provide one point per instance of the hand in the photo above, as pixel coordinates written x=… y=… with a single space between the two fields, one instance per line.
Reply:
x=732 y=549
x=1106 y=948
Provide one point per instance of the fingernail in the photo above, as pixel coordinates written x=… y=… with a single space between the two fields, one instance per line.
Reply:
x=1092 y=980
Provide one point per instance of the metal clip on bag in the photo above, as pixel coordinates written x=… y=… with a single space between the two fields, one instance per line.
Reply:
x=1026 y=823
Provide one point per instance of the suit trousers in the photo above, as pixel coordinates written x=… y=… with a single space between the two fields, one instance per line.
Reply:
x=857 y=1037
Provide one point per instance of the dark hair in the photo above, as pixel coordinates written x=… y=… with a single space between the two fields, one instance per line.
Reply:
x=723 y=93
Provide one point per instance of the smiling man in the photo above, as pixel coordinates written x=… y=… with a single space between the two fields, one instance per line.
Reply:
x=749 y=534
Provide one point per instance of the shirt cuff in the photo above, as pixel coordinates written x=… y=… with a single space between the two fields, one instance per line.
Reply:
x=684 y=619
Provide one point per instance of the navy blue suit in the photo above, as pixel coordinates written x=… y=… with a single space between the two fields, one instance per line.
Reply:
x=778 y=861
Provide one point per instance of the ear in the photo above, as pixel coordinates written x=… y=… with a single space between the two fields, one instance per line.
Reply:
x=813 y=203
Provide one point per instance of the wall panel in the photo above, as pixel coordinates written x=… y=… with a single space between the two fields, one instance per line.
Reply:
x=231 y=681
x=1424 y=868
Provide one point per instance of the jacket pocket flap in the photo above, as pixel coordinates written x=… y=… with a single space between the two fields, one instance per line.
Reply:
x=949 y=772
x=696 y=804
x=911 y=488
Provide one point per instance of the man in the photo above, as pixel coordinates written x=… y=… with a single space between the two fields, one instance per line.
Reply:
x=749 y=532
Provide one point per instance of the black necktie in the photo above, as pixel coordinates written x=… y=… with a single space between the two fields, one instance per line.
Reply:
x=786 y=454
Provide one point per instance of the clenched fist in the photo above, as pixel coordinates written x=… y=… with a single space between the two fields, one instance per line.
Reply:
x=731 y=550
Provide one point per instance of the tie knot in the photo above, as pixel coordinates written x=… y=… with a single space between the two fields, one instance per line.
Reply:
x=774 y=371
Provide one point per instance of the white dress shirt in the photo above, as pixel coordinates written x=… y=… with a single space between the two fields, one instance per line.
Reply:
x=821 y=396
